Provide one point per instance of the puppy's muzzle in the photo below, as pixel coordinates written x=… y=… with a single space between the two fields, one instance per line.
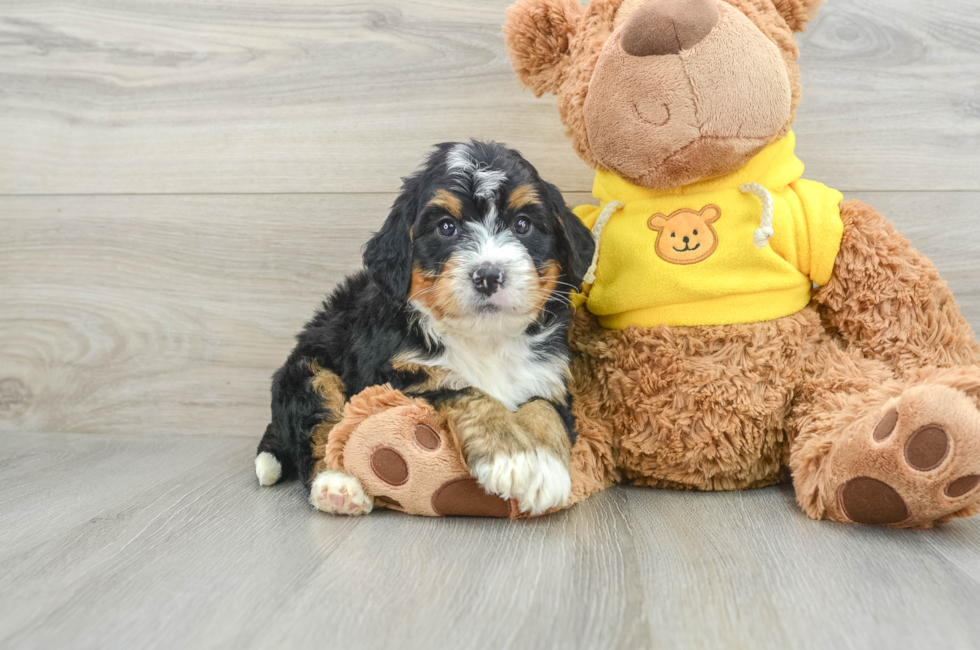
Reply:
x=487 y=279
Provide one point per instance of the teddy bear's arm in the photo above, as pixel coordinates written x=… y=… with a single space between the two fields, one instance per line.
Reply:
x=888 y=299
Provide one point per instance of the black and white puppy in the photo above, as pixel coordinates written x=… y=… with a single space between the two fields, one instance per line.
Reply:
x=463 y=301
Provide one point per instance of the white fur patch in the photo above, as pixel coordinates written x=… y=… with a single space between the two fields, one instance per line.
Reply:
x=537 y=479
x=267 y=469
x=337 y=493
x=483 y=247
x=490 y=218
x=459 y=160
x=503 y=366
x=485 y=182
x=488 y=181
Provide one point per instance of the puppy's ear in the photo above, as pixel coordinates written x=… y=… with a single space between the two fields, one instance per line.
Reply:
x=388 y=255
x=537 y=34
x=797 y=13
x=575 y=243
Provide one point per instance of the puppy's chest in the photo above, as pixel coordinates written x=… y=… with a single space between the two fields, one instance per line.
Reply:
x=510 y=370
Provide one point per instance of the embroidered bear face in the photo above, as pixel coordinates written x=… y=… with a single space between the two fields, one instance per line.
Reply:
x=686 y=236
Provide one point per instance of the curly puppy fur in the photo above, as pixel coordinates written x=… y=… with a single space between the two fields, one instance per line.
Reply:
x=459 y=321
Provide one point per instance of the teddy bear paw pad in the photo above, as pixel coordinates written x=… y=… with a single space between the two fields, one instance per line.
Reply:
x=920 y=464
x=408 y=460
x=870 y=501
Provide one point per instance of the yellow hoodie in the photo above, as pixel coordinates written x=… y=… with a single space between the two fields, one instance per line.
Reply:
x=707 y=254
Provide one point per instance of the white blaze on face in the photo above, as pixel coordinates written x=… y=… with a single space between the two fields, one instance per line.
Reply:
x=484 y=247
x=473 y=175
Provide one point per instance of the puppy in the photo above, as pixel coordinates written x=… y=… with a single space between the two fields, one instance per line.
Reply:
x=463 y=301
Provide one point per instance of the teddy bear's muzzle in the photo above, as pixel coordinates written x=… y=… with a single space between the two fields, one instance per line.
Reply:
x=668 y=26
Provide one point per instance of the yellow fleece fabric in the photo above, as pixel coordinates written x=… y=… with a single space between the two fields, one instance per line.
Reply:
x=736 y=282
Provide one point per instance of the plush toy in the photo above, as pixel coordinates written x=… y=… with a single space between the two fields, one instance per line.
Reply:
x=706 y=358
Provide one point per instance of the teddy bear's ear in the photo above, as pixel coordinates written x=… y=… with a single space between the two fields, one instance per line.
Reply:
x=798 y=13
x=538 y=34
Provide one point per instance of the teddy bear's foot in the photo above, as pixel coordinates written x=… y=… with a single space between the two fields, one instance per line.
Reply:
x=337 y=493
x=406 y=458
x=916 y=465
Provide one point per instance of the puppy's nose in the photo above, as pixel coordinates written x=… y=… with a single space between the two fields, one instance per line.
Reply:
x=687 y=239
x=488 y=279
x=669 y=26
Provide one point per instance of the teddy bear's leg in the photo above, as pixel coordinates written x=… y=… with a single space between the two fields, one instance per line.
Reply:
x=689 y=408
x=593 y=465
x=397 y=452
x=404 y=453
x=870 y=448
x=888 y=299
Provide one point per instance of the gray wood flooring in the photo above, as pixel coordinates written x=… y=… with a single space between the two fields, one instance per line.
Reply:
x=181 y=182
x=135 y=541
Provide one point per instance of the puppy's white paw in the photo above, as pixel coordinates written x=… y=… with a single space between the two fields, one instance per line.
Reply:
x=339 y=494
x=267 y=468
x=537 y=479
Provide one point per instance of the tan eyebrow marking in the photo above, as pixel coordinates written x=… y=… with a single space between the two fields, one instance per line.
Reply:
x=448 y=202
x=523 y=195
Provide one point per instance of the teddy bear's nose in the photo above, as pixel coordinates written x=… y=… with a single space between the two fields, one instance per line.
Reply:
x=668 y=26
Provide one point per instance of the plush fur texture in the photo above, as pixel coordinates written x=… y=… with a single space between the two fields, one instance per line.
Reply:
x=459 y=322
x=715 y=125
x=383 y=423
x=667 y=120
x=888 y=298
x=727 y=388
x=867 y=399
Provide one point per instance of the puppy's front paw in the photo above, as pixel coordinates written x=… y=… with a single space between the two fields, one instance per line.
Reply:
x=536 y=479
x=337 y=493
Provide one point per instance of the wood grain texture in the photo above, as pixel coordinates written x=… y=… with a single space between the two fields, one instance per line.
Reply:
x=166 y=542
x=162 y=314
x=246 y=96
x=181 y=183
x=333 y=96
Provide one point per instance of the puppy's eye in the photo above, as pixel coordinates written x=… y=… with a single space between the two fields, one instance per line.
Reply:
x=447 y=228
x=673 y=234
x=695 y=233
x=522 y=226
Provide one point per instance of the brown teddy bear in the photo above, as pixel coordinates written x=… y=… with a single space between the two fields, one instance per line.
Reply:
x=705 y=357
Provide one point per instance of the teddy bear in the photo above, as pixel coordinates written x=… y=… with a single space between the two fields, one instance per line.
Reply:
x=739 y=325
x=744 y=325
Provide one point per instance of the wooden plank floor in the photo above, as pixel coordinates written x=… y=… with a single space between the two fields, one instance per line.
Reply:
x=180 y=183
x=167 y=542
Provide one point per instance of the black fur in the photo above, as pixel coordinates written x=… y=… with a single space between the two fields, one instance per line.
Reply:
x=367 y=320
